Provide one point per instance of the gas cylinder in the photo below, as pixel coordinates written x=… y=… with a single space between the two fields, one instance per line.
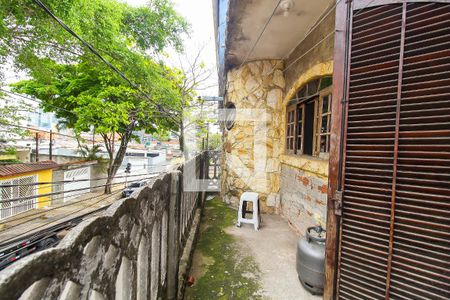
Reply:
x=311 y=260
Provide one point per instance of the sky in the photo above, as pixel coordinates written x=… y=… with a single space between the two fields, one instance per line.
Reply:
x=199 y=15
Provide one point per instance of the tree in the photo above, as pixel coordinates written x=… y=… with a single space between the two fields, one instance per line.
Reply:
x=11 y=117
x=93 y=153
x=191 y=112
x=81 y=89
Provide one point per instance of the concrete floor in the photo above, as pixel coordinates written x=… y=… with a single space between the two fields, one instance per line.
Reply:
x=274 y=250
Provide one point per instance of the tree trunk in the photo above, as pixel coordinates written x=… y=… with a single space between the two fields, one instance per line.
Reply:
x=117 y=161
x=181 y=137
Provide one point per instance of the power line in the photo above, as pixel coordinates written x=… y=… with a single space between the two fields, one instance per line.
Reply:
x=37 y=201
x=309 y=50
x=70 y=181
x=317 y=24
x=48 y=104
x=35 y=100
x=260 y=34
x=28 y=97
x=95 y=52
x=64 y=216
x=48 y=132
x=55 y=208
x=57 y=193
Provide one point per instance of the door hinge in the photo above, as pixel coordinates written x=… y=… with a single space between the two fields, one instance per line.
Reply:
x=338 y=203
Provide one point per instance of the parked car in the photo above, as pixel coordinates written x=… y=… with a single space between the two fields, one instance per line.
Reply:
x=131 y=188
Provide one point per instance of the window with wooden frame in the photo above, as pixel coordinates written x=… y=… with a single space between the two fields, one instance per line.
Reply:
x=290 y=130
x=322 y=124
x=308 y=117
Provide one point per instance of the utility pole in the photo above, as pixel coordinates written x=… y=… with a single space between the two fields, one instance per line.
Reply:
x=50 y=145
x=207 y=136
x=37 y=147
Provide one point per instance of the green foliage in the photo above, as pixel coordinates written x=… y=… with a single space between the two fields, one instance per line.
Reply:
x=76 y=85
x=93 y=153
x=68 y=76
x=162 y=136
x=74 y=79
x=10 y=151
x=109 y=25
x=215 y=141
x=9 y=115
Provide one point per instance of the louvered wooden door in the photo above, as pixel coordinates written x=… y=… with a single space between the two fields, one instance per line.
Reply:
x=395 y=226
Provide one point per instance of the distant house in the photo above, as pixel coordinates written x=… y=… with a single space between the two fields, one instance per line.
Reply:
x=22 y=181
x=74 y=179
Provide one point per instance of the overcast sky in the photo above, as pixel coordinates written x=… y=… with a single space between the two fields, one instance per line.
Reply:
x=200 y=16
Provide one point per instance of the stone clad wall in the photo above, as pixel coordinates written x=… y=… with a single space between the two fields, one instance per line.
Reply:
x=294 y=186
x=251 y=160
x=131 y=251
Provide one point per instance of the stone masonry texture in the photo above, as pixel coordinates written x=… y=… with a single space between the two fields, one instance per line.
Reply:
x=294 y=186
x=251 y=160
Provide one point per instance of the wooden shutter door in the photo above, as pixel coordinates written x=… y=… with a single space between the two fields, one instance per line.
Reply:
x=395 y=225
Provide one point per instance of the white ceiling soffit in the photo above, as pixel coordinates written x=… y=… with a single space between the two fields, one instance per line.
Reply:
x=248 y=17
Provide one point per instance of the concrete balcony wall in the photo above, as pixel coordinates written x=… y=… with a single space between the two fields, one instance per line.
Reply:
x=131 y=251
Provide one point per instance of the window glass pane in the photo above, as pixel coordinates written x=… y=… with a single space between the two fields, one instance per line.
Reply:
x=302 y=93
x=323 y=143
x=313 y=87
x=325 y=104
x=324 y=128
x=326 y=82
x=299 y=128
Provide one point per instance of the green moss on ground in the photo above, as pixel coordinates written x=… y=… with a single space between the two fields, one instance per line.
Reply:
x=230 y=274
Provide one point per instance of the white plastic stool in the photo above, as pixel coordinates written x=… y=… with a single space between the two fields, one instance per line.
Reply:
x=249 y=197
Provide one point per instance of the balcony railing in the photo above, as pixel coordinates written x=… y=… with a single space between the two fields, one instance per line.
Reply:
x=131 y=251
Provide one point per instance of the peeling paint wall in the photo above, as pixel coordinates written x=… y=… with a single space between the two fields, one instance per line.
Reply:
x=311 y=52
x=303 y=197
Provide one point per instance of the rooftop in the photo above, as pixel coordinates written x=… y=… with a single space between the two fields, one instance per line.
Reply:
x=15 y=169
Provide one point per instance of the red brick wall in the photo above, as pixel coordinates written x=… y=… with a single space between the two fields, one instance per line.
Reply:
x=303 y=198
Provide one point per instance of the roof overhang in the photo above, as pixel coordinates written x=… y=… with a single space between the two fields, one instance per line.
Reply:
x=237 y=34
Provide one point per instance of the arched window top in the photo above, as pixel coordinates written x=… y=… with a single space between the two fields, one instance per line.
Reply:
x=308 y=116
x=311 y=89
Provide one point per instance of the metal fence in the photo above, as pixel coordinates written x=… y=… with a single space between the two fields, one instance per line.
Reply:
x=18 y=188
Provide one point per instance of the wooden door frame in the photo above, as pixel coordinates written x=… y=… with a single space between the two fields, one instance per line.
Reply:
x=342 y=54
x=340 y=83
